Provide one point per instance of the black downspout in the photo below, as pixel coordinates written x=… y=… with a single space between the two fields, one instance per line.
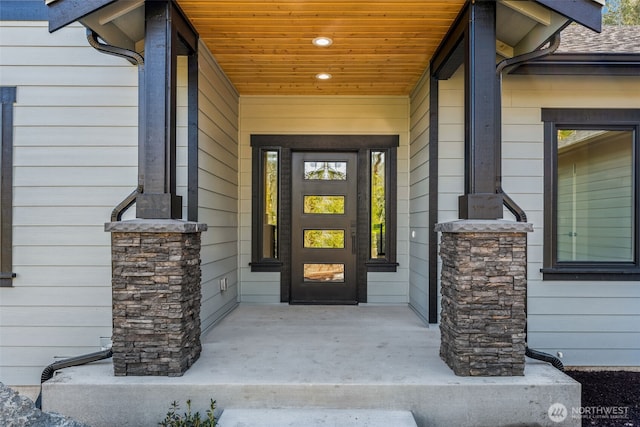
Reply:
x=136 y=59
x=48 y=372
x=508 y=202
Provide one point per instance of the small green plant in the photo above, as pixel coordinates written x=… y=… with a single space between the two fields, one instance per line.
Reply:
x=174 y=419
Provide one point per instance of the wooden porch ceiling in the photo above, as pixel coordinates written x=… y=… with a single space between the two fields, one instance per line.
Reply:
x=379 y=47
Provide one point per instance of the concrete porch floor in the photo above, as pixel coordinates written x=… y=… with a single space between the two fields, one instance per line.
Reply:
x=317 y=357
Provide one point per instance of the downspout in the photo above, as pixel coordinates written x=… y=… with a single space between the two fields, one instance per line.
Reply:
x=508 y=202
x=138 y=60
x=48 y=372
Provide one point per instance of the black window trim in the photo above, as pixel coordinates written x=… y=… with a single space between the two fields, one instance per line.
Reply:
x=363 y=145
x=586 y=118
x=8 y=98
x=259 y=263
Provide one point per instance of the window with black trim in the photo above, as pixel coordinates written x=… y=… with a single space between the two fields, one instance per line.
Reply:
x=271 y=198
x=8 y=98
x=591 y=203
x=266 y=209
x=382 y=210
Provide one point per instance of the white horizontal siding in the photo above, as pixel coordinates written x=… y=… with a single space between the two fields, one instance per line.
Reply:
x=591 y=323
x=323 y=115
x=218 y=188
x=75 y=158
x=419 y=199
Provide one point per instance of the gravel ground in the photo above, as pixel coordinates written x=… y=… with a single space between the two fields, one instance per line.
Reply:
x=609 y=398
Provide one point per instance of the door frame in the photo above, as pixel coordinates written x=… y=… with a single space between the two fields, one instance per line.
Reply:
x=361 y=144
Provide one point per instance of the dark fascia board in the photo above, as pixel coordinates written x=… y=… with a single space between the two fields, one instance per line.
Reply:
x=585 y=12
x=449 y=55
x=23 y=10
x=64 y=12
x=619 y=64
x=326 y=142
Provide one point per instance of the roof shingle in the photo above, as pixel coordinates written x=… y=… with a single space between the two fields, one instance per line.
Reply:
x=613 y=39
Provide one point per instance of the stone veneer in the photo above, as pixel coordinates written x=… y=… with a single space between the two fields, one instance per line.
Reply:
x=483 y=286
x=156 y=296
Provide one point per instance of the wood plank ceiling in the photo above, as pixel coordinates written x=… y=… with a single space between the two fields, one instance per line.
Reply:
x=379 y=47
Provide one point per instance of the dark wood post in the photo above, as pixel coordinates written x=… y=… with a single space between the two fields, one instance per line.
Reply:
x=481 y=200
x=158 y=155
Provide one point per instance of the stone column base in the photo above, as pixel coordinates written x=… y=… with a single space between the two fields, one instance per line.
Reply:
x=483 y=286
x=156 y=296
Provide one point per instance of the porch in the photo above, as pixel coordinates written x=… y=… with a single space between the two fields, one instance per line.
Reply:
x=317 y=357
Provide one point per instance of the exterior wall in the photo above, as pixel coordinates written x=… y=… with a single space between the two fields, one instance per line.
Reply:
x=419 y=199
x=592 y=323
x=218 y=188
x=324 y=115
x=75 y=158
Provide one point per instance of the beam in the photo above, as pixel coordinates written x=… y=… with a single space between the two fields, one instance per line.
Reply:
x=585 y=12
x=481 y=200
x=159 y=199
x=532 y=10
x=64 y=12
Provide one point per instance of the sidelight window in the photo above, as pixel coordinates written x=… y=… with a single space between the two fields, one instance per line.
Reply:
x=8 y=98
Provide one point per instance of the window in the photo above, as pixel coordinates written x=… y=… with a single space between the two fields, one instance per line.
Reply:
x=591 y=202
x=382 y=210
x=271 y=196
x=8 y=97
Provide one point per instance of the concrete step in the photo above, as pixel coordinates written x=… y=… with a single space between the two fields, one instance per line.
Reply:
x=239 y=417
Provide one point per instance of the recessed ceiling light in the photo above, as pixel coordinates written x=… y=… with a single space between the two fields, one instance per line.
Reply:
x=323 y=76
x=322 y=42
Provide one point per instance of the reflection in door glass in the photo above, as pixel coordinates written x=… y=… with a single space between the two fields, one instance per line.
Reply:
x=324 y=204
x=270 y=226
x=324 y=239
x=378 y=204
x=325 y=171
x=324 y=272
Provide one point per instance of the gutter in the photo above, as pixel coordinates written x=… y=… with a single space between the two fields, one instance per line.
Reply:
x=508 y=202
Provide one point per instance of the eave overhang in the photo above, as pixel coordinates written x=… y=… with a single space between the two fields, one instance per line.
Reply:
x=585 y=12
x=521 y=27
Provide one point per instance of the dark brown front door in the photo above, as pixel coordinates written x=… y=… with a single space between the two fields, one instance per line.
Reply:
x=323 y=228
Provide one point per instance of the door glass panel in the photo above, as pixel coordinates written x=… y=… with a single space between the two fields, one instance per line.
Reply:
x=324 y=204
x=325 y=239
x=324 y=272
x=325 y=171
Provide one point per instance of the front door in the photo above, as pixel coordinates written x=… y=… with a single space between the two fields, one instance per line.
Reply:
x=323 y=228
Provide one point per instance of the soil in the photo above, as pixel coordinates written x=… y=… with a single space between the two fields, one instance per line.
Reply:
x=609 y=398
